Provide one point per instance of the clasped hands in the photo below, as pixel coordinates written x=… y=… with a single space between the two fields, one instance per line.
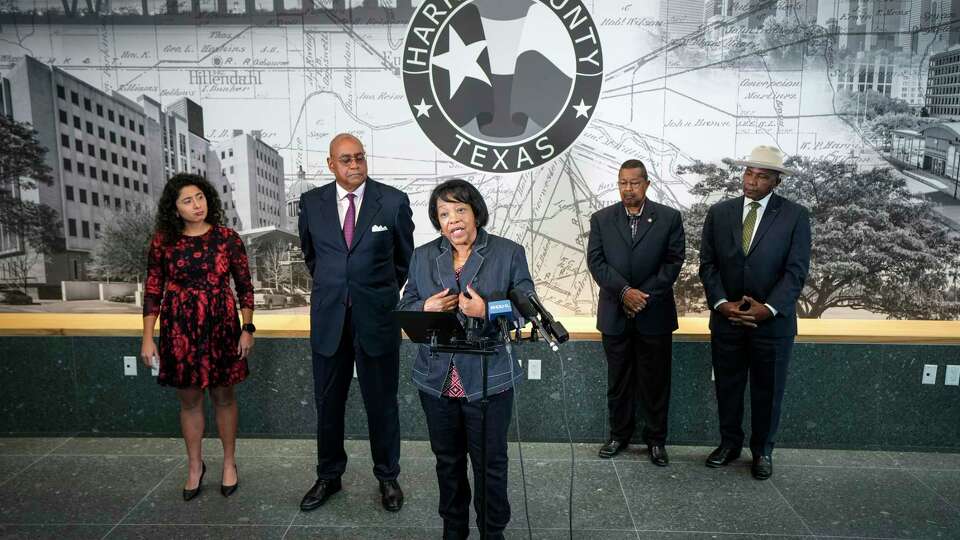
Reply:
x=470 y=303
x=755 y=312
x=634 y=301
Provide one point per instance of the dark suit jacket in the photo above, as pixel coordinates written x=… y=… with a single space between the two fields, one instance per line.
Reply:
x=651 y=263
x=774 y=270
x=372 y=270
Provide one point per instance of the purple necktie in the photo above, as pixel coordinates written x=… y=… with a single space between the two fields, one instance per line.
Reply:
x=349 y=221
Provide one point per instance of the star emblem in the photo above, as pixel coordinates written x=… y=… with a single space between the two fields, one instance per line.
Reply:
x=461 y=61
x=582 y=109
x=423 y=109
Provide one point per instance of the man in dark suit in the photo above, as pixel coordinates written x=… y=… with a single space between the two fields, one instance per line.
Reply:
x=635 y=253
x=754 y=258
x=357 y=240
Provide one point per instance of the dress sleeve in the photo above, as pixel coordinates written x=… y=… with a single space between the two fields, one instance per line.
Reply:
x=240 y=268
x=156 y=277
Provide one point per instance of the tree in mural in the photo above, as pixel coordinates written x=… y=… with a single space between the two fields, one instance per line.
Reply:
x=272 y=259
x=31 y=228
x=876 y=247
x=122 y=252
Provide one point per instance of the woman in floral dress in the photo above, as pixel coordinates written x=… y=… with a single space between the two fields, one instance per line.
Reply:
x=191 y=260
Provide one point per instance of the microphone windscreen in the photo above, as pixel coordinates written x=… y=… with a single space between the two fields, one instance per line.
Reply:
x=500 y=309
x=523 y=305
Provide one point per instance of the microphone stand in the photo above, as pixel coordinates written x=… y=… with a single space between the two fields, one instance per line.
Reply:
x=485 y=348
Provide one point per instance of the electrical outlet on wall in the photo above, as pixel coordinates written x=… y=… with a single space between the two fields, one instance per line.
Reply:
x=952 y=377
x=130 y=366
x=930 y=374
x=533 y=370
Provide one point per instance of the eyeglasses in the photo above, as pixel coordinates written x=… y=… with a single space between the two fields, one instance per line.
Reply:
x=347 y=160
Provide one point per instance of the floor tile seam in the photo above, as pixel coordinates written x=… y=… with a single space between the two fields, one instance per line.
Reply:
x=626 y=500
x=792 y=509
x=34 y=462
x=746 y=465
x=289 y=525
x=217 y=525
x=913 y=475
x=176 y=465
x=526 y=460
x=772 y=535
x=51 y=524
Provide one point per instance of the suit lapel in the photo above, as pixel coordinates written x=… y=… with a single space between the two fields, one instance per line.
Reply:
x=647 y=217
x=445 y=270
x=472 y=267
x=369 y=209
x=736 y=223
x=622 y=224
x=448 y=278
x=330 y=217
x=769 y=215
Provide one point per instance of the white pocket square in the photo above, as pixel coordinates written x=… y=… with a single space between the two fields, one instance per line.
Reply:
x=379 y=228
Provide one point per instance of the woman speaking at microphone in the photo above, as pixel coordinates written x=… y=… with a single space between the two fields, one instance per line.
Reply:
x=460 y=272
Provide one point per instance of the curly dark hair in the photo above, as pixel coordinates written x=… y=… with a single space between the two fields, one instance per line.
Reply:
x=169 y=222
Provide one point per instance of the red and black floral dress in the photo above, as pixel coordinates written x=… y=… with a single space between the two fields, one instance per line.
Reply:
x=188 y=286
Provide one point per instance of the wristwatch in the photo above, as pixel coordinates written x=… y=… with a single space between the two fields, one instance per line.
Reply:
x=249 y=328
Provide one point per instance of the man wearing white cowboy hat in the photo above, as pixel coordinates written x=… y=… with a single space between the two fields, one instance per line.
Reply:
x=754 y=257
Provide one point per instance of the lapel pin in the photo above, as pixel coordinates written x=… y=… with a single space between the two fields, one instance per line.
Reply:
x=649 y=220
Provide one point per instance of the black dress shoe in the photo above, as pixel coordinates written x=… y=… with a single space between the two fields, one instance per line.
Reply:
x=189 y=494
x=391 y=495
x=721 y=457
x=612 y=448
x=762 y=467
x=658 y=455
x=319 y=493
x=227 y=491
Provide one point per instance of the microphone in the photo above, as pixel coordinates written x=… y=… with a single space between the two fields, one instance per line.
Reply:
x=551 y=325
x=501 y=313
x=528 y=312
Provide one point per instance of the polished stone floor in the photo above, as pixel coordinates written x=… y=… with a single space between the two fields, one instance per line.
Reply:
x=67 y=488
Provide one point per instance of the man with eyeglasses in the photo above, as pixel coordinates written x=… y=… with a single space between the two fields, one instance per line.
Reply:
x=357 y=240
x=635 y=253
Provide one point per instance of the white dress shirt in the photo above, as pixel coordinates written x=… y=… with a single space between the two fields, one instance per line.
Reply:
x=756 y=225
x=343 y=203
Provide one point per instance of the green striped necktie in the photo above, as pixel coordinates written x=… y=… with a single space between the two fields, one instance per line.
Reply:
x=748 y=225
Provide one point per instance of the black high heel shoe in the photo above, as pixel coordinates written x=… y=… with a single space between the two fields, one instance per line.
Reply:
x=189 y=494
x=227 y=491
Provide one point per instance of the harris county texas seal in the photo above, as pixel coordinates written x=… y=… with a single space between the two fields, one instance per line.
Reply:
x=502 y=85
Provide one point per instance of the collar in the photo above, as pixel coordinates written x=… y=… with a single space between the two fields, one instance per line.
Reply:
x=642 y=207
x=342 y=193
x=763 y=202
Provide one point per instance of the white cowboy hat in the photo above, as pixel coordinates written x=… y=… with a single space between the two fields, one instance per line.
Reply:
x=765 y=157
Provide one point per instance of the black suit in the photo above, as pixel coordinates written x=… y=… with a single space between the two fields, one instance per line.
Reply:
x=354 y=290
x=772 y=272
x=638 y=350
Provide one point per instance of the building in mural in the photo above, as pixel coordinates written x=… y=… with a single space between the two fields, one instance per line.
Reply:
x=254 y=172
x=109 y=154
x=943 y=84
x=97 y=149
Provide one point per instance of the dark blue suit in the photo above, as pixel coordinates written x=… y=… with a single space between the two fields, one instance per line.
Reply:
x=354 y=290
x=638 y=349
x=772 y=272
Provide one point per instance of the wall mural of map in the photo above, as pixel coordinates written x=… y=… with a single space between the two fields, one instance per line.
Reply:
x=862 y=94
